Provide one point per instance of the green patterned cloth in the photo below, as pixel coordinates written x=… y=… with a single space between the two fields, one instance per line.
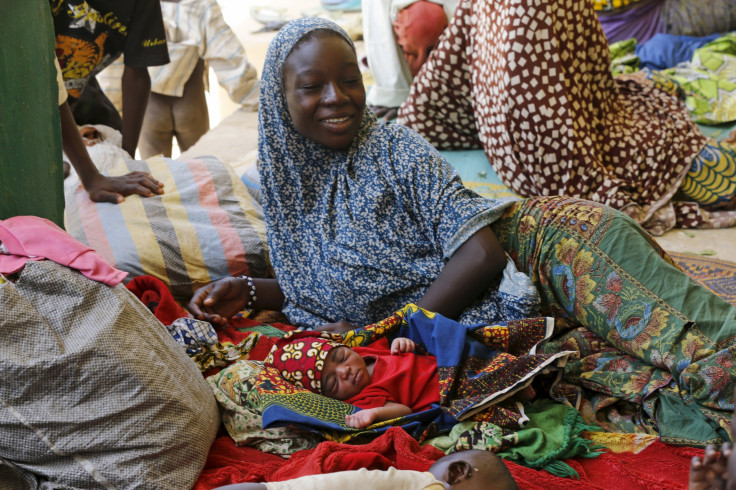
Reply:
x=551 y=435
x=709 y=81
x=656 y=350
x=623 y=57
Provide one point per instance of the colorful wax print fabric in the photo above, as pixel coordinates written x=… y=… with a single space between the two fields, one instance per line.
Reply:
x=479 y=366
x=199 y=340
x=300 y=359
x=612 y=4
x=241 y=408
x=656 y=349
x=530 y=82
x=710 y=81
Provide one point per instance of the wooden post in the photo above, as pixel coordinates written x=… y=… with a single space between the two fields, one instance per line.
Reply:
x=31 y=174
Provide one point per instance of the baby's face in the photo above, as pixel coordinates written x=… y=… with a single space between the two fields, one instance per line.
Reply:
x=345 y=374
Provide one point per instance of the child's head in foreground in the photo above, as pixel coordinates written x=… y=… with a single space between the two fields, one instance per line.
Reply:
x=473 y=469
x=463 y=470
x=321 y=366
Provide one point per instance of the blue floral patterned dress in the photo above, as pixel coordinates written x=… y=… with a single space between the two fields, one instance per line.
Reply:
x=354 y=233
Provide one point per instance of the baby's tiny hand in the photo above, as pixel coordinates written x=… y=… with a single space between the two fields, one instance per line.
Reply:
x=361 y=419
x=402 y=344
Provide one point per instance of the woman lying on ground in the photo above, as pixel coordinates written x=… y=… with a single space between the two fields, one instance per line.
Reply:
x=364 y=218
x=530 y=82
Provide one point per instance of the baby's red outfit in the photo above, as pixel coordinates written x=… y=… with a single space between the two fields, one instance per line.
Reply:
x=408 y=379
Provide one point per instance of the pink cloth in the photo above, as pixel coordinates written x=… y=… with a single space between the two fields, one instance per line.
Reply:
x=32 y=238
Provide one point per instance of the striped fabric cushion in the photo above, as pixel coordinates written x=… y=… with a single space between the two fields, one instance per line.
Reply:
x=205 y=226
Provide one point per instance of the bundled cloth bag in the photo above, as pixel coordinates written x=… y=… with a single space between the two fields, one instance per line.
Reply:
x=95 y=393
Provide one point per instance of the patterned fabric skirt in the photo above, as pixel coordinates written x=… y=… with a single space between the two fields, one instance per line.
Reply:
x=530 y=82
x=656 y=350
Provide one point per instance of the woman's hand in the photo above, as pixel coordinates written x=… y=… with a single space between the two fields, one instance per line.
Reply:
x=361 y=419
x=218 y=301
x=402 y=344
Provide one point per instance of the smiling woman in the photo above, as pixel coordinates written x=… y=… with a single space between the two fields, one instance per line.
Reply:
x=324 y=89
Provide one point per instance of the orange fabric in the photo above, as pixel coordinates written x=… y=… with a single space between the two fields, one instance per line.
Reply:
x=418 y=28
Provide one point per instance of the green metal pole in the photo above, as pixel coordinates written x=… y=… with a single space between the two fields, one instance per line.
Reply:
x=31 y=175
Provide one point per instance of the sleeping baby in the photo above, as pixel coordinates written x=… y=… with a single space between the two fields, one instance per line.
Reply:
x=385 y=382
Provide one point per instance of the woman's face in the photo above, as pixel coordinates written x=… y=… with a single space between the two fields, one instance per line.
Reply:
x=324 y=90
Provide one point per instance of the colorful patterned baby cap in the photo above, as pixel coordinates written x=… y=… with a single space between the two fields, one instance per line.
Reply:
x=300 y=357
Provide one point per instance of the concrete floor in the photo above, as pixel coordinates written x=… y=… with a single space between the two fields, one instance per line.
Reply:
x=235 y=140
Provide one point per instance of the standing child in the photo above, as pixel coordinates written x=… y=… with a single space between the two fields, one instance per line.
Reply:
x=92 y=34
x=198 y=38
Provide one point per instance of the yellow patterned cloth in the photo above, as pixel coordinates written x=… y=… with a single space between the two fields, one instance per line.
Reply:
x=612 y=4
x=621 y=443
x=711 y=179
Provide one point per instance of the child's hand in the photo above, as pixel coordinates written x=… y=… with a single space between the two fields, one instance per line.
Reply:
x=402 y=344
x=711 y=471
x=361 y=419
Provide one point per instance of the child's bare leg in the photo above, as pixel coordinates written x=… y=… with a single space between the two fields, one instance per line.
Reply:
x=710 y=471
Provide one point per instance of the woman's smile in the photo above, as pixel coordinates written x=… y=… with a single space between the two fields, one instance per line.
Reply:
x=338 y=123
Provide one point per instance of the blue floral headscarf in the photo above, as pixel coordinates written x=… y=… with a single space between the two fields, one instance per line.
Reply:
x=356 y=234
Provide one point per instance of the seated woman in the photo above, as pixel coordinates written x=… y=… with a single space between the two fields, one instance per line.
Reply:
x=364 y=218
x=530 y=83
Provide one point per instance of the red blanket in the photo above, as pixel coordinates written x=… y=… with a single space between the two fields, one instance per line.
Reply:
x=228 y=463
x=659 y=466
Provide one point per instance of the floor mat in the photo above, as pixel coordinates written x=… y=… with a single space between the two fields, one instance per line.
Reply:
x=718 y=276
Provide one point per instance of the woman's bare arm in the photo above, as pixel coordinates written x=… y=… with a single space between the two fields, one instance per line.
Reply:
x=469 y=272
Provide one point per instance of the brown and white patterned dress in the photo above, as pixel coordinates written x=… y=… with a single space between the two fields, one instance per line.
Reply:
x=530 y=82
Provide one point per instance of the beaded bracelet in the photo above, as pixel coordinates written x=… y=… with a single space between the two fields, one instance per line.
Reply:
x=251 y=291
